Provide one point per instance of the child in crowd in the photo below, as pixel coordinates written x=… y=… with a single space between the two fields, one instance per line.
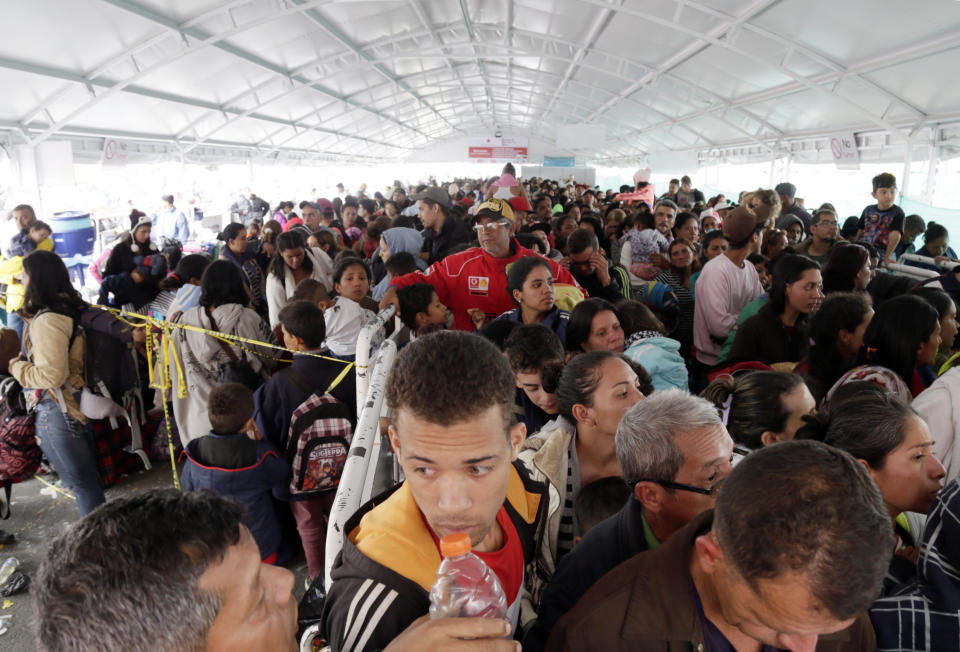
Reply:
x=420 y=306
x=36 y=237
x=881 y=224
x=185 y=280
x=348 y=313
x=760 y=263
x=936 y=245
x=536 y=358
x=312 y=290
x=645 y=241
x=400 y=263
x=235 y=461
x=912 y=227
x=303 y=331
x=39 y=234
x=598 y=501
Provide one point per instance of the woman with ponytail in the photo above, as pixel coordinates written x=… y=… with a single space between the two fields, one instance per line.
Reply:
x=903 y=335
x=894 y=444
x=760 y=408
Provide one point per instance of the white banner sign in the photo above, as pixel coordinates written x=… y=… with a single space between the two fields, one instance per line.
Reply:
x=844 y=150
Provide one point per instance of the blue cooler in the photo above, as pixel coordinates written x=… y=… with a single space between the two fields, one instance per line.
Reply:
x=73 y=236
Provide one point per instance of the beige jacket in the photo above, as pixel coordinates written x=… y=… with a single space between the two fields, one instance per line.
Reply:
x=545 y=455
x=54 y=362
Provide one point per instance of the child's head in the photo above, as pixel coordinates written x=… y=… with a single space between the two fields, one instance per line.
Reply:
x=536 y=358
x=230 y=408
x=936 y=239
x=760 y=263
x=39 y=231
x=884 y=190
x=600 y=500
x=912 y=227
x=351 y=278
x=420 y=306
x=713 y=244
x=253 y=229
x=303 y=326
x=312 y=290
x=400 y=263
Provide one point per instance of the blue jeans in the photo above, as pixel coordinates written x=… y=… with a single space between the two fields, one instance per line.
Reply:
x=69 y=447
x=16 y=322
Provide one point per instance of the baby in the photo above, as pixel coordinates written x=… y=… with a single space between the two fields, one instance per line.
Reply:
x=645 y=241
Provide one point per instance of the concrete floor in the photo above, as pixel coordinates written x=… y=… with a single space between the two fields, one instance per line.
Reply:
x=38 y=514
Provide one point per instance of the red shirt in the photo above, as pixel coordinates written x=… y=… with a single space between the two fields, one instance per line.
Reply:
x=507 y=562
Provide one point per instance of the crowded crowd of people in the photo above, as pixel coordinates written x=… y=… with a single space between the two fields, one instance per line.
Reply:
x=664 y=421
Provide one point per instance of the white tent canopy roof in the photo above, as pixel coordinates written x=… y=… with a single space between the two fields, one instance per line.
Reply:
x=368 y=80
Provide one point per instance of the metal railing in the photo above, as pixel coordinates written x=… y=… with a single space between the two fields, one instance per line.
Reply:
x=356 y=483
x=921 y=273
x=369 y=340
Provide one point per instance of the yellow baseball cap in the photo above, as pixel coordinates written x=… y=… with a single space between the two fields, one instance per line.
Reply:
x=496 y=208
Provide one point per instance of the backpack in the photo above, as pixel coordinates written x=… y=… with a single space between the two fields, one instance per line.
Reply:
x=19 y=453
x=109 y=360
x=317 y=443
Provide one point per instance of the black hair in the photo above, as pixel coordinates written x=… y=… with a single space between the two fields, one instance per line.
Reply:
x=531 y=242
x=369 y=205
x=232 y=231
x=599 y=500
x=756 y=259
x=401 y=263
x=160 y=543
x=48 y=285
x=884 y=180
x=839 y=311
x=707 y=238
x=803 y=492
x=229 y=406
x=582 y=240
x=414 y=299
x=636 y=316
x=934 y=232
x=222 y=284
x=535 y=347
x=845 y=262
x=521 y=269
x=39 y=225
x=789 y=269
x=581 y=319
x=293 y=239
x=498 y=330
x=940 y=300
x=896 y=331
x=756 y=403
x=850 y=227
x=580 y=379
x=190 y=266
x=310 y=289
x=406 y=221
x=304 y=319
x=466 y=376
x=868 y=425
x=682 y=218
x=346 y=263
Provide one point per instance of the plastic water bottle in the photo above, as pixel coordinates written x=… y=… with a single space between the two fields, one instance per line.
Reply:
x=465 y=586
x=8 y=569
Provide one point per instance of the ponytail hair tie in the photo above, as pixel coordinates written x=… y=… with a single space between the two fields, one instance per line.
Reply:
x=871 y=352
x=174 y=275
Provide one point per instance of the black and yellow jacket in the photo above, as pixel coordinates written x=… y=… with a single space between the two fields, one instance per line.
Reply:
x=382 y=577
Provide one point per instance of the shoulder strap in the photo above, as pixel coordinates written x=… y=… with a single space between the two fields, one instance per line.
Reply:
x=223 y=345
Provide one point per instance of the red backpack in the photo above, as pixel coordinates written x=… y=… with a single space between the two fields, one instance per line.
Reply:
x=318 y=443
x=19 y=453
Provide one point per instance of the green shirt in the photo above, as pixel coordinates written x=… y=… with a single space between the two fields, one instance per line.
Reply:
x=651 y=538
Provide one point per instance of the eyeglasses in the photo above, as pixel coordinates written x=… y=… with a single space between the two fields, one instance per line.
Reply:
x=490 y=227
x=670 y=484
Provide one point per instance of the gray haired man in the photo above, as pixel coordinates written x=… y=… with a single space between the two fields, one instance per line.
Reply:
x=674 y=452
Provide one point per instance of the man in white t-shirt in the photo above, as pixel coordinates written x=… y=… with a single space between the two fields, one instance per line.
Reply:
x=726 y=284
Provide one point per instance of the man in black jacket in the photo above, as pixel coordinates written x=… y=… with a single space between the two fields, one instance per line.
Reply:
x=674 y=451
x=441 y=230
x=592 y=271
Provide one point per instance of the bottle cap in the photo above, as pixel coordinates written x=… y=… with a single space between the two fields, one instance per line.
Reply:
x=456 y=544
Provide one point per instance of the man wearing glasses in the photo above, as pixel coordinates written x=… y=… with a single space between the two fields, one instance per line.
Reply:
x=675 y=452
x=823 y=235
x=473 y=283
x=790 y=558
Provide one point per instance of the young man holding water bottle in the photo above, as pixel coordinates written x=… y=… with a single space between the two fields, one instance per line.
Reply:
x=454 y=434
